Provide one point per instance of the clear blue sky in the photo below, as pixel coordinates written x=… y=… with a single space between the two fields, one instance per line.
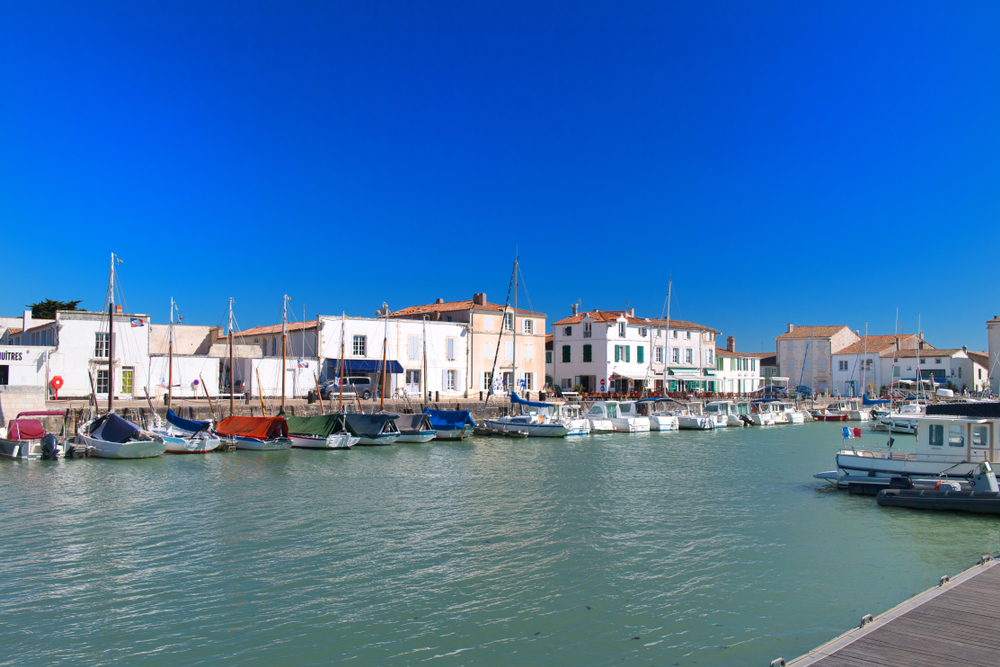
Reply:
x=806 y=162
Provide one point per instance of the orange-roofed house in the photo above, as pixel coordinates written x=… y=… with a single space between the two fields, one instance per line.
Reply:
x=858 y=367
x=805 y=353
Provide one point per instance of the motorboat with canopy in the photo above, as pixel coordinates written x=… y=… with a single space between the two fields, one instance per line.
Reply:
x=414 y=428
x=450 y=424
x=379 y=429
x=256 y=433
x=26 y=439
x=320 y=432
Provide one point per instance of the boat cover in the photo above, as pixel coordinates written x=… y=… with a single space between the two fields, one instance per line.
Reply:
x=413 y=424
x=112 y=428
x=185 y=424
x=368 y=426
x=25 y=429
x=514 y=398
x=261 y=428
x=449 y=420
x=866 y=401
x=320 y=425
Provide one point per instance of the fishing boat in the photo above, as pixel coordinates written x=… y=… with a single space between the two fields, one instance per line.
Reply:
x=537 y=423
x=786 y=413
x=113 y=437
x=903 y=420
x=414 y=428
x=946 y=448
x=26 y=439
x=262 y=434
x=378 y=429
x=320 y=432
x=450 y=424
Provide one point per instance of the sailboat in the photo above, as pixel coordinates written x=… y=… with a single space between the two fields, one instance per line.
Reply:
x=535 y=423
x=111 y=436
x=182 y=436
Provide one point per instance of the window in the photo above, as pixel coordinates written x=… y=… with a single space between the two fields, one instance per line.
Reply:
x=619 y=352
x=565 y=354
x=687 y=335
x=658 y=354
x=674 y=333
x=451 y=349
x=508 y=321
x=529 y=351
x=488 y=323
x=586 y=330
x=708 y=357
x=789 y=346
x=935 y=435
x=640 y=354
x=868 y=364
x=675 y=356
x=127 y=375
x=528 y=326
x=413 y=377
x=102 y=380
x=822 y=364
x=548 y=356
x=526 y=381
x=274 y=347
x=753 y=364
x=102 y=346
x=980 y=436
x=567 y=331
x=621 y=329
x=923 y=361
x=360 y=345
x=567 y=383
x=842 y=365
x=487 y=380
x=508 y=381
x=628 y=349
x=450 y=381
x=708 y=337
x=643 y=331
x=689 y=356
x=4 y=375
x=414 y=347
x=959 y=371
x=588 y=355
x=895 y=371
x=956 y=438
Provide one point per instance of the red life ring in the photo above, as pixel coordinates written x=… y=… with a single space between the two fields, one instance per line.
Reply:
x=56 y=382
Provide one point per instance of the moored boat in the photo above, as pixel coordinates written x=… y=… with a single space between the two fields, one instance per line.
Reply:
x=320 y=432
x=451 y=424
x=414 y=428
x=538 y=423
x=982 y=496
x=262 y=434
x=26 y=439
x=113 y=437
x=379 y=429
x=186 y=436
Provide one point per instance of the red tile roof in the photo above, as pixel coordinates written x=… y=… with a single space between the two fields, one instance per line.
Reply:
x=877 y=344
x=820 y=331
x=456 y=306
x=14 y=330
x=613 y=315
x=723 y=352
x=981 y=358
x=276 y=329
x=924 y=353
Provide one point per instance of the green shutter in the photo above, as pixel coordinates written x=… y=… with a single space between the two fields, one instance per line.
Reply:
x=639 y=353
x=617 y=353
x=628 y=351
x=565 y=354
x=587 y=353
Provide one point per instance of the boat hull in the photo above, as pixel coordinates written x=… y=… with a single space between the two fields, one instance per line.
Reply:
x=695 y=423
x=601 y=425
x=861 y=466
x=132 y=449
x=378 y=440
x=25 y=450
x=254 y=445
x=663 y=423
x=332 y=441
x=533 y=430
x=452 y=433
x=423 y=436
x=983 y=502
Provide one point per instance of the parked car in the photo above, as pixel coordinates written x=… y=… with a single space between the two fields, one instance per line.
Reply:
x=353 y=386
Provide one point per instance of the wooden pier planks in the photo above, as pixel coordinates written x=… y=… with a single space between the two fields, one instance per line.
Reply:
x=957 y=622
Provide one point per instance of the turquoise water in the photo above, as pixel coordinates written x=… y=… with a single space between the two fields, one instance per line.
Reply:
x=683 y=548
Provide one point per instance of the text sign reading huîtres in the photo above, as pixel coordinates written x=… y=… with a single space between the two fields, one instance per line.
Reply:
x=19 y=356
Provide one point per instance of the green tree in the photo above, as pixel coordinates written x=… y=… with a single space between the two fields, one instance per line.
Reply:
x=46 y=310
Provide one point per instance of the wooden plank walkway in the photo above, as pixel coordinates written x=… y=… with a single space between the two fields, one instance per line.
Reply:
x=954 y=623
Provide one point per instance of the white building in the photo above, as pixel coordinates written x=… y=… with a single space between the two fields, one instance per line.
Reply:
x=617 y=351
x=955 y=367
x=364 y=342
x=738 y=372
x=859 y=366
x=805 y=354
x=993 y=367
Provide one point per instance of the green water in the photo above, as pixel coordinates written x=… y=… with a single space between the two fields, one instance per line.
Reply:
x=682 y=548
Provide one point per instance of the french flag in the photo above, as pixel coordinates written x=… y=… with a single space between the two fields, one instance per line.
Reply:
x=851 y=433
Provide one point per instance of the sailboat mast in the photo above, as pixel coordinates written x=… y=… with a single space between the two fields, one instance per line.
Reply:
x=920 y=379
x=864 y=370
x=343 y=318
x=111 y=335
x=284 y=339
x=232 y=382
x=513 y=373
x=385 y=350
x=666 y=347
x=170 y=356
x=424 y=385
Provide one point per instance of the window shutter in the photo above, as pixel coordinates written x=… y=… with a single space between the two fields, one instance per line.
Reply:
x=587 y=353
x=451 y=348
x=529 y=351
x=458 y=381
x=508 y=350
x=639 y=354
x=618 y=353
x=488 y=323
x=566 y=354
x=444 y=380
x=628 y=354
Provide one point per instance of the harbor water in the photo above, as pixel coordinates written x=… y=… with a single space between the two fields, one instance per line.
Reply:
x=680 y=548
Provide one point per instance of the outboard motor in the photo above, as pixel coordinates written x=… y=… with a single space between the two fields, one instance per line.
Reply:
x=985 y=480
x=50 y=447
x=746 y=420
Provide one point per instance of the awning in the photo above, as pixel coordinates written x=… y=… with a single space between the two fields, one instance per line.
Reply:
x=366 y=366
x=686 y=372
x=631 y=375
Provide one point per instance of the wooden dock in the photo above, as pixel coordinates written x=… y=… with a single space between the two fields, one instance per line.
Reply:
x=954 y=623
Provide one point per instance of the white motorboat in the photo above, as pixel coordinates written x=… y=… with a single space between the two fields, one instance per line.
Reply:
x=570 y=416
x=27 y=440
x=633 y=411
x=598 y=417
x=112 y=437
x=947 y=448
x=764 y=412
x=903 y=420
x=693 y=418
x=740 y=414
x=788 y=413
x=720 y=412
x=661 y=418
x=538 y=423
x=852 y=407
x=612 y=412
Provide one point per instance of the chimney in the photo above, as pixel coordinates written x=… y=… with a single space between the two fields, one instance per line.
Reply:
x=730 y=344
x=791 y=327
x=26 y=320
x=576 y=308
x=965 y=348
x=479 y=299
x=118 y=309
x=439 y=300
x=631 y=312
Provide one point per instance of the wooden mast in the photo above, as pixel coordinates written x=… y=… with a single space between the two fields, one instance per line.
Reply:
x=385 y=350
x=340 y=370
x=666 y=346
x=111 y=336
x=232 y=383
x=513 y=379
x=284 y=339
x=170 y=356
x=423 y=384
